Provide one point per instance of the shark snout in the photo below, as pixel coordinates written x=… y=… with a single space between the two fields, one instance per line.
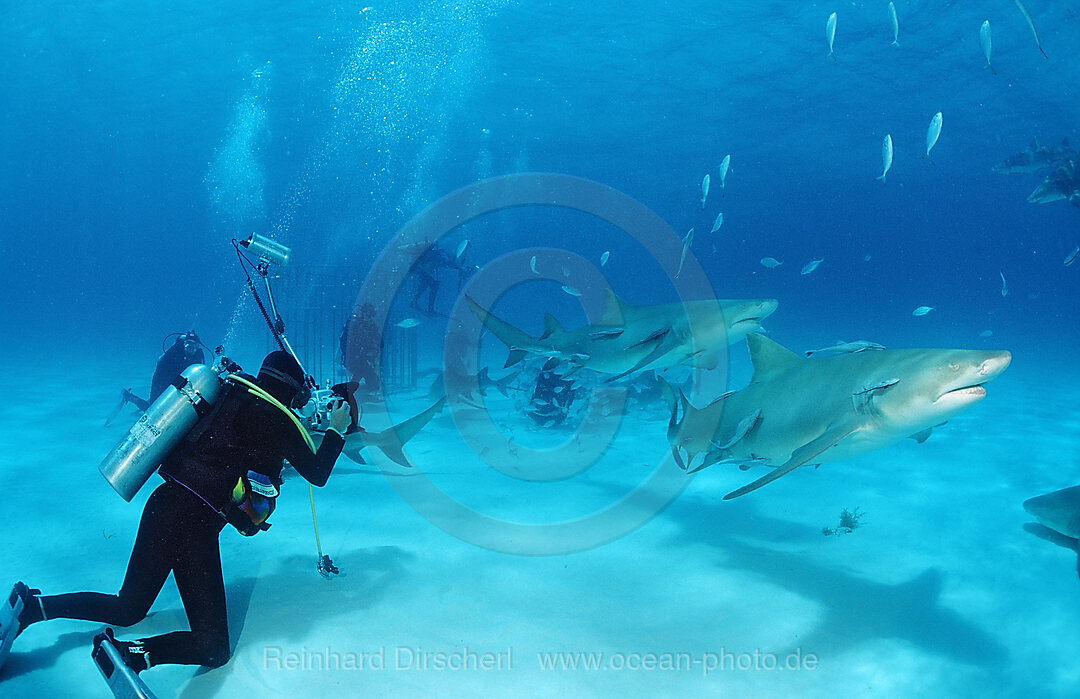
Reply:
x=756 y=312
x=993 y=366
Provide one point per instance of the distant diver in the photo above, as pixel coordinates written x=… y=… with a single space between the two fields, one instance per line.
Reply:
x=360 y=344
x=427 y=268
x=185 y=351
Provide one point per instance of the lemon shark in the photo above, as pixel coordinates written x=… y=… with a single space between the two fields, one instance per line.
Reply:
x=799 y=410
x=631 y=338
x=1058 y=514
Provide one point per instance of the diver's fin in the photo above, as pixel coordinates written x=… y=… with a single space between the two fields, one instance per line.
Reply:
x=9 y=618
x=117 y=409
x=801 y=456
x=122 y=680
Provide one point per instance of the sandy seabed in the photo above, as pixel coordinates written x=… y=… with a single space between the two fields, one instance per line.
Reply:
x=938 y=592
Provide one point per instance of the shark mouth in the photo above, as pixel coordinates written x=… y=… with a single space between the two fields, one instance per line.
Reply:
x=755 y=322
x=965 y=394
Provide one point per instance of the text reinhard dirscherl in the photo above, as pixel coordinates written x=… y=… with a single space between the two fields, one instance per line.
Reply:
x=406 y=658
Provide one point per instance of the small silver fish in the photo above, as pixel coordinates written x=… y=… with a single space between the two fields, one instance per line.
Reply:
x=604 y=257
x=461 y=248
x=565 y=272
x=886 y=157
x=986 y=333
x=811 y=266
x=933 y=132
x=724 y=165
x=830 y=34
x=1004 y=285
x=1071 y=257
x=717 y=223
x=922 y=310
x=532 y=265
x=408 y=323
x=770 y=262
x=571 y=290
x=704 y=191
x=687 y=242
x=895 y=24
x=984 y=41
x=1027 y=16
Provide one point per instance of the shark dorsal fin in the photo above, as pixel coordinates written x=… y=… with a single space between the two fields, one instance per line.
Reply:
x=767 y=355
x=551 y=326
x=614 y=309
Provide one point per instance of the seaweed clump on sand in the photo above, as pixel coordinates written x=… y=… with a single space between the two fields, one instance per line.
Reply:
x=849 y=522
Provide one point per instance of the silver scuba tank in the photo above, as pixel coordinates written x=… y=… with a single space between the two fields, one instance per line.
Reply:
x=168 y=419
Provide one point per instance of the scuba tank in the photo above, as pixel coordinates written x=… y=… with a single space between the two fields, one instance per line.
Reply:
x=168 y=419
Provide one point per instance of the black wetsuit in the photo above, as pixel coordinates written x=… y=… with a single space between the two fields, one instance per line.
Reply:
x=180 y=524
x=427 y=274
x=360 y=346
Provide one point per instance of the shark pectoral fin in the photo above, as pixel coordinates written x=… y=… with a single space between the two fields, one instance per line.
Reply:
x=802 y=455
x=1048 y=534
x=922 y=436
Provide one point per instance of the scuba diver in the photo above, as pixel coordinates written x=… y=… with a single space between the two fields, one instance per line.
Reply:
x=225 y=470
x=551 y=399
x=427 y=267
x=184 y=352
x=360 y=343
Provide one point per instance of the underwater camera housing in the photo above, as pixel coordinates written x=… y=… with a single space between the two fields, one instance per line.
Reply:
x=323 y=401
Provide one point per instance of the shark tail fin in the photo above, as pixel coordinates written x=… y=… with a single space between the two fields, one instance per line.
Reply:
x=483 y=380
x=510 y=336
x=392 y=439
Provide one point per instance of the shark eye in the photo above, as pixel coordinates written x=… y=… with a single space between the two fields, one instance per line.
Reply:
x=954 y=367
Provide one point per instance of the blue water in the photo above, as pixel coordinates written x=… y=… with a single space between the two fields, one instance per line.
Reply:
x=138 y=139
